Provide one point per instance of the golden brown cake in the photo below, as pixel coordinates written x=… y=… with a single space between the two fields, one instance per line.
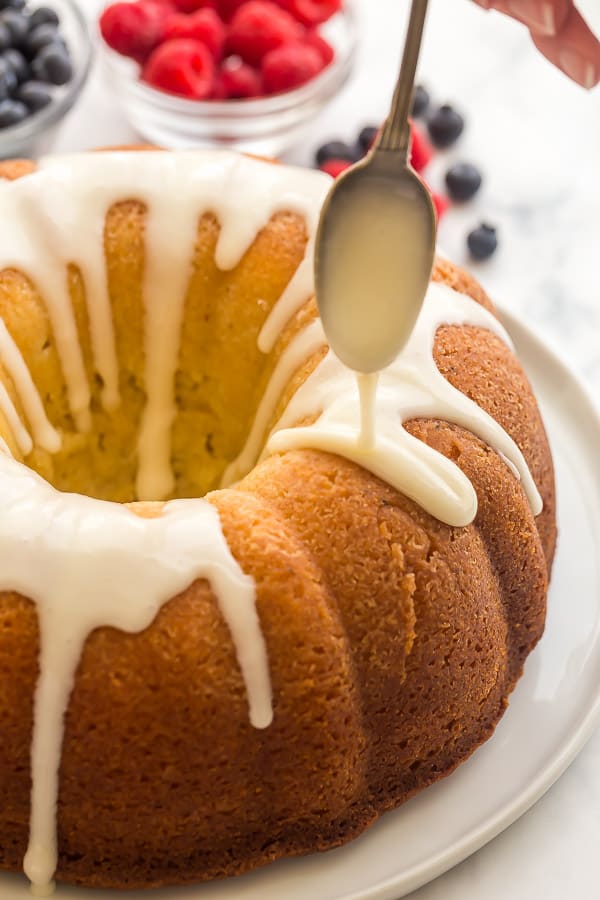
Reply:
x=177 y=354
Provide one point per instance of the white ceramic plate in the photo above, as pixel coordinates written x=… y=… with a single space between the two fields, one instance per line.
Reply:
x=552 y=712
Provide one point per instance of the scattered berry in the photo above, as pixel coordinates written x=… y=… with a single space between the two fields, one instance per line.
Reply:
x=335 y=167
x=323 y=47
x=12 y=112
x=420 y=149
x=259 y=27
x=367 y=136
x=335 y=150
x=52 y=64
x=311 y=12
x=463 y=180
x=34 y=94
x=420 y=101
x=12 y=4
x=133 y=29
x=237 y=81
x=482 y=241
x=445 y=126
x=204 y=26
x=181 y=67
x=441 y=204
x=289 y=67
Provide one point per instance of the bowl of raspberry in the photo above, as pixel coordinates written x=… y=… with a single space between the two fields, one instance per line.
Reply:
x=45 y=58
x=244 y=74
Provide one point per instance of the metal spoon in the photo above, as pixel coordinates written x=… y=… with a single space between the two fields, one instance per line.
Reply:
x=376 y=239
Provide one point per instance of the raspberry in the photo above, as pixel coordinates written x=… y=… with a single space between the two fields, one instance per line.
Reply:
x=441 y=204
x=133 y=29
x=227 y=8
x=323 y=47
x=237 y=81
x=191 y=6
x=311 y=12
x=288 y=67
x=335 y=167
x=181 y=67
x=420 y=150
x=259 y=27
x=204 y=26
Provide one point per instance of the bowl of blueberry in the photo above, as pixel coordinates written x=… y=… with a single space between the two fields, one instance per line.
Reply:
x=45 y=58
x=245 y=74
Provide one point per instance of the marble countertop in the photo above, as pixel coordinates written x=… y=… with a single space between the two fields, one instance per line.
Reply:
x=537 y=138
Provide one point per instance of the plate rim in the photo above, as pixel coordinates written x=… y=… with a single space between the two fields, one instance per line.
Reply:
x=394 y=888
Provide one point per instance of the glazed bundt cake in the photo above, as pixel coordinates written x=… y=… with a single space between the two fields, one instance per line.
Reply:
x=191 y=688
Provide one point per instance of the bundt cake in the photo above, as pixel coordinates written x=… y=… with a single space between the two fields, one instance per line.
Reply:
x=191 y=688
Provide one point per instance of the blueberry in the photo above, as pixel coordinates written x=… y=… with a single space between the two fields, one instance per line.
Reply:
x=34 y=94
x=367 y=137
x=13 y=4
x=8 y=80
x=43 y=16
x=420 y=101
x=482 y=241
x=39 y=37
x=52 y=64
x=17 y=24
x=335 y=150
x=12 y=112
x=463 y=181
x=5 y=37
x=17 y=63
x=445 y=126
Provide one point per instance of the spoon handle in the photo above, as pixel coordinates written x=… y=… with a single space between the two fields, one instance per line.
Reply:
x=395 y=134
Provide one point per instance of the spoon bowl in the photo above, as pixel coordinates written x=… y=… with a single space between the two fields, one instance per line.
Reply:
x=376 y=243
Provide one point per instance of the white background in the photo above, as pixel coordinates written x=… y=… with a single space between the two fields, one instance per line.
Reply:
x=537 y=138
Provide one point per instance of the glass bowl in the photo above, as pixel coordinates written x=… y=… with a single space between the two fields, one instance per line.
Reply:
x=265 y=126
x=33 y=137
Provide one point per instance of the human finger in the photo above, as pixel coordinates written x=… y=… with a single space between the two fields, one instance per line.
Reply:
x=574 y=49
x=544 y=17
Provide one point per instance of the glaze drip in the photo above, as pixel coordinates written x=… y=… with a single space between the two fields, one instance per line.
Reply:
x=44 y=434
x=99 y=564
x=412 y=387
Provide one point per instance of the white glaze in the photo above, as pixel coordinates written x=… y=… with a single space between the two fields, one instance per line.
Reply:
x=411 y=387
x=306 y=343
x=45 y=436
x=367 y=394
x=103 y=551
x=20 y=433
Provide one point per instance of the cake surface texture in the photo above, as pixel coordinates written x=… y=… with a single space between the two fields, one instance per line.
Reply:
x=227 y=633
